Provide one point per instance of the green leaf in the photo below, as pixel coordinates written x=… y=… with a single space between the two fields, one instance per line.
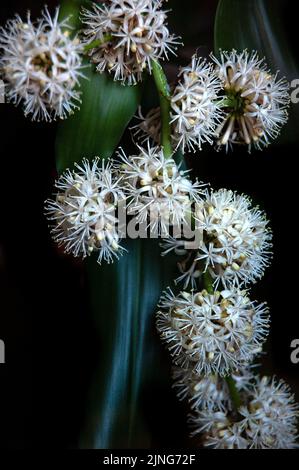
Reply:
x=106 y=110
x=70 y=9
x=124 y=299
x=124 y=295
x=257 y=25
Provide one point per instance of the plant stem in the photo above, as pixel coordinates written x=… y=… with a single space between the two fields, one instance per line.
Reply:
x=164 y=95
x=233 y=391
x=97 y=42
x=208 y=282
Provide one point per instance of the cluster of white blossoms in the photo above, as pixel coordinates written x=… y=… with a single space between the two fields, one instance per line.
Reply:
x=147 y=186
x=212 y=333
x=194 y=108
x=159 y=194
x=127 y=35
x=267 y=420
x=214 y=336
x=210 y=391
x=41 y=66
x=83 y=212
x=234 y=100
x=234 y=241
x=255 y=102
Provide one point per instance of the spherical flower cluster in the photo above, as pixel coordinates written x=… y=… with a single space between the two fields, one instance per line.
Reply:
x=211 y=391
x=255 y=101
x=235 y=242
x=128 y=35
x=83 y=212
x=41 y=66
x=194 y=109
x=160 y=195
x=267 y=421
x=212 y=333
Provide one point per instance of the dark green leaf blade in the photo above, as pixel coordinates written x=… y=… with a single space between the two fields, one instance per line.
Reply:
x=106 y=110
x=124 y=299
x=123 y=295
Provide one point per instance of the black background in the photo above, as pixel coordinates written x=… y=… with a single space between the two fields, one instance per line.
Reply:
x=44 y=318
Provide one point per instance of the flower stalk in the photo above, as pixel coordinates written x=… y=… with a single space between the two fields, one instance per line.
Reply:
x=164 y=95
x=233 y=391
x=208 y=282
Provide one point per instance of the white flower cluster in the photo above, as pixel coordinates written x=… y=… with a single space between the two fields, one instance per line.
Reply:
x=83 y=212
x=159 y=193
x=255 y=101
x=130 y=34
x=234 y=100
x=147 y=186
x=235 y=242
x=210 y=391
x=267 y=420
x=213 y=336
x=194 y=109
x=41 y=66
x=212 y=333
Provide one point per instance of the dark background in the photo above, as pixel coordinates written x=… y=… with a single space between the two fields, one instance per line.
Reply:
x=44 y=316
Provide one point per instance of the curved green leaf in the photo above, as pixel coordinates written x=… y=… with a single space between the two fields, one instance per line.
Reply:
x=257 y=25
x=106 y=110
x=123 y=295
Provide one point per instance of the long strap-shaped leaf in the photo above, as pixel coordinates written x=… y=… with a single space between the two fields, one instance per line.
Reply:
x=123 y=296
x=106 y=110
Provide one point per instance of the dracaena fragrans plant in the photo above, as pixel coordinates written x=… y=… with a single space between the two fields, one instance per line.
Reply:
x=212 y=329
x=41 y=66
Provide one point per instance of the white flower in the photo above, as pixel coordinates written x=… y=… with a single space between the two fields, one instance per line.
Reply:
x=235 y=243
x=84 y=211
x=212 y=333
x=255 y=101
x=41 y=65
x=209 y=391
x=219 y=431
x=159 y=193
x=131 y=33
x=266 y=421
x=271 y=415
x=194 y=109
x=148 y=126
